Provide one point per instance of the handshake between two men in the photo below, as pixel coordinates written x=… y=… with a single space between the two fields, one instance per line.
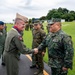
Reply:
x=37 y=51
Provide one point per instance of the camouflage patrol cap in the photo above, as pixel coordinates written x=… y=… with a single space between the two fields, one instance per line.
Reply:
x=54 y=20
x=23 y=18
x=36 y=23
x=51 y=23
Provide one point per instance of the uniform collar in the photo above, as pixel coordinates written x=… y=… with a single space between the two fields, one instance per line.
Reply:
x=15 y=27
x=56 y=33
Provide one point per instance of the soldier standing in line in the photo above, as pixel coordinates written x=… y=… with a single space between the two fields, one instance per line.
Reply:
x=60 y=49
x=42 y=27
x=5 y=27
x=2 y=40
x=31 y=26
x=14 y=44
x=27 y=26
x=37 y=59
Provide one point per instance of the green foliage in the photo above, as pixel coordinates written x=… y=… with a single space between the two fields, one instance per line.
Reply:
x=62 y=13
x=68 y=27
x=43 y=18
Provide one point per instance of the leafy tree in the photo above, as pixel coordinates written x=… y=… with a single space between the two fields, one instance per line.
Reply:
x=56 y=15
x=43 y=18
x=50 y=14
x=62 y=13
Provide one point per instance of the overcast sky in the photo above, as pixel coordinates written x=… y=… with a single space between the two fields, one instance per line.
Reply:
x=31 y=8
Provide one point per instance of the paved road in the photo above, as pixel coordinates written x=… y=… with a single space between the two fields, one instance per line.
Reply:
x=24 y=69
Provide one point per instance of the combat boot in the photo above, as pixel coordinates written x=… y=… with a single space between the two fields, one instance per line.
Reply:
x=32 y=66
x=38 y=73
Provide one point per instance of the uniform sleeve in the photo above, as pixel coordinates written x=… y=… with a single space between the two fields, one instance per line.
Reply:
x=69 y=52
x=43 y=35
x=42 y=45
x=20 y=45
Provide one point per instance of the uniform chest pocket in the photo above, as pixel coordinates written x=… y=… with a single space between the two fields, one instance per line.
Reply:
x=56 y=43
x=37 y=35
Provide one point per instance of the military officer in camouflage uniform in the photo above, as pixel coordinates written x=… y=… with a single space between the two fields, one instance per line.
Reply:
x=14 y=44
x=37 y=59
x=27 y=27
x=60 y=49
x=2 y=39
x=31 y=26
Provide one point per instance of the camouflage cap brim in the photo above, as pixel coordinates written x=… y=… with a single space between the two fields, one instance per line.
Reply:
x=51 y=23
x=35 y=24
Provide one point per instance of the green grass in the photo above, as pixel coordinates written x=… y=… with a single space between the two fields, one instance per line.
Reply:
x=68 y=27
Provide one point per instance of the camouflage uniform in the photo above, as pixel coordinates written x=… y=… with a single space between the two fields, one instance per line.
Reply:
x=47 y=29
x=27 y=27
x=42 y=27
x=13 y=45
x=31 y=26
x=38 y=36
x=2 y=41
x=60 y=51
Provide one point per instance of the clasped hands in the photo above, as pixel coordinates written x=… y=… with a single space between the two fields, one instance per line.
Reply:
x=35 y=50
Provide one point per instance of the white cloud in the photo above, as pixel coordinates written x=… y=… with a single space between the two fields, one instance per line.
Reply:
x=31 y=8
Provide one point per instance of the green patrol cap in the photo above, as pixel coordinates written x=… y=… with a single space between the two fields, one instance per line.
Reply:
x=51 y=23
x=54 y=20
x=36 y=23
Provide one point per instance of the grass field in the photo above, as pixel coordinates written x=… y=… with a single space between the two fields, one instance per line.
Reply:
x=68 y=27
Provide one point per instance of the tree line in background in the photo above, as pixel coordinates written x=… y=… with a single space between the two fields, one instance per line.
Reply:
x=61 y=13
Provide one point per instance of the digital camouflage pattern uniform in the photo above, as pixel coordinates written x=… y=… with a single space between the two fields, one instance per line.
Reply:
x=2 y=41
x=27 y=27
x=42 y=27
x=13 y=45
x=60 y=51
x=38 y=36
x=31 y=26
